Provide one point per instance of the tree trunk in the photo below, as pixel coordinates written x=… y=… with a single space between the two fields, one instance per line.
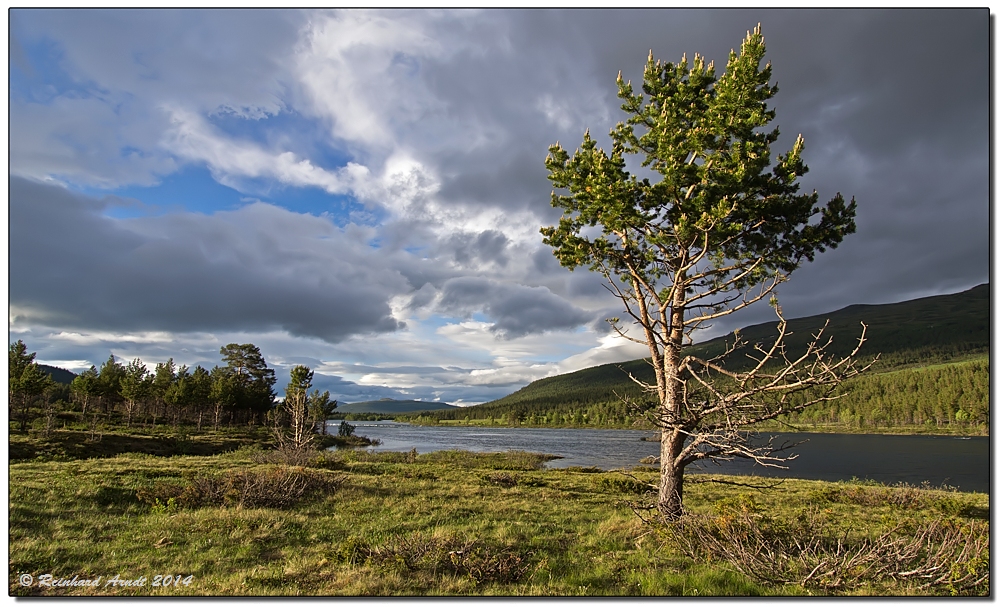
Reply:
x=671 y=497
x=25 y=403
x=672 y=439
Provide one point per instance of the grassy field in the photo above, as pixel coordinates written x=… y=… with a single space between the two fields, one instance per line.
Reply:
x=459 y=523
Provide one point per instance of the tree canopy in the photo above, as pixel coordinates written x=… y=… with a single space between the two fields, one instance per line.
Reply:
x=250 y=381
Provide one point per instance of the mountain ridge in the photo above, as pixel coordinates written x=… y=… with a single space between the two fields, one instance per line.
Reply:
x=926 y=330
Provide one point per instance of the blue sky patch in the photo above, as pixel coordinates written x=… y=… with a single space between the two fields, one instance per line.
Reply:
x=191 y=189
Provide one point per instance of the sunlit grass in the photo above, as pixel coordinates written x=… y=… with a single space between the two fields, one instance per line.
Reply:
x=451 y=523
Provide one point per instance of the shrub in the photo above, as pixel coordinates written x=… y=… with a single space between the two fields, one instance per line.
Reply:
x=898 y=496
x=287 y=455
x=486 y=564
x=941 y=554
x=274 y=488
x=483 y=562
x=741 y=504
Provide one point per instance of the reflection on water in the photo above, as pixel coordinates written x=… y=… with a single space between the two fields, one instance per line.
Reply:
x=955 y=461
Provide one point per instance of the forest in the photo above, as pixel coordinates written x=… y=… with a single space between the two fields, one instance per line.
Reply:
x=952 y=396
x=125 y=395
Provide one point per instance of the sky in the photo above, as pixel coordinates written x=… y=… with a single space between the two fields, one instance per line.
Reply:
x=361 y=191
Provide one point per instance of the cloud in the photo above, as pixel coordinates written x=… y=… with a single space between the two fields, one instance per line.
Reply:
x=207 y=60
x=516 y=310
x=192 y=138
x=259 y=267
x=86 y=101
x=83 y=141
x=486 y=248
x=361 y=71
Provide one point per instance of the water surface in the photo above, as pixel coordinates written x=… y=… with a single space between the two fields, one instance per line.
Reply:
x=939 y=460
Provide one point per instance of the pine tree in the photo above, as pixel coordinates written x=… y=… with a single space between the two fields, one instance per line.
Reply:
x=253 y=380
x=720 y=227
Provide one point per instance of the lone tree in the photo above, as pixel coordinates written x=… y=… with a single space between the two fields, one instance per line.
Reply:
x=718 y=229
x=296 y=406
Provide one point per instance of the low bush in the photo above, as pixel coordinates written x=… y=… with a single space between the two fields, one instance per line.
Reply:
x=481 y=561
x=273 y=488
x=941 y=554
x=901 y=496
x=288 y=456
x=509 y=460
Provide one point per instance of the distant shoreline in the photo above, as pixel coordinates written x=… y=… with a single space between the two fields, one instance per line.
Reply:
x=970 y=431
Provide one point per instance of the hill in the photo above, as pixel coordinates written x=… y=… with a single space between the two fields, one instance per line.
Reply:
x=926 y=330
x=920 y=332
x=388 y=405
x=60 y=376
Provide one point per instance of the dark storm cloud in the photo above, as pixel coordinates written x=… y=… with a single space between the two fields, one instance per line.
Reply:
x=258 y=268
x=515 y=309
x=893 y=106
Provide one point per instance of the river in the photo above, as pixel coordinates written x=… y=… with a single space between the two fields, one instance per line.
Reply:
x=938 y=460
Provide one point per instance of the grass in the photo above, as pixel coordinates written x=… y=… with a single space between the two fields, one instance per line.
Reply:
x=166 y=441
x=76 y=444
x=385 y=524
